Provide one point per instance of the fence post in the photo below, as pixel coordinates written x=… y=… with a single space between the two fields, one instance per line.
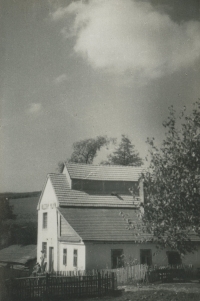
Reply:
x=99 y=283
x=46 y=293
x=113 y=280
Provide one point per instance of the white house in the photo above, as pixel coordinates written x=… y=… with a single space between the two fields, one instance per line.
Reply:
x=80 y=225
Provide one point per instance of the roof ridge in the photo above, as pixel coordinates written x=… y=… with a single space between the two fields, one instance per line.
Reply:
x=55 y=174
x=100 y=165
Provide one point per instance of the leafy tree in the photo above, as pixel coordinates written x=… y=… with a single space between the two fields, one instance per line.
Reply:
x=125 y=154
x=11 y=230
x=6 y=210
x=6 y=214
x=24 y=233
x=85 y=151
x=172 y=184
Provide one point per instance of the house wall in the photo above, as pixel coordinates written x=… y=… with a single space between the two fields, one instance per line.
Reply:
x=49 y=205
x=70 y=255
x=98 y=255
x=193 y=258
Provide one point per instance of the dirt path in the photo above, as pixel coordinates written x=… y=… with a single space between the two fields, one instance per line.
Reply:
x=173 y=287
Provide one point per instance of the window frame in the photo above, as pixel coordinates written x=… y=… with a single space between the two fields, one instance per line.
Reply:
x=44 y=220
x=65 y=256
x=44 y=249
x=75 y=258
x=118 y=256
x=176 y=256
x=148 y=262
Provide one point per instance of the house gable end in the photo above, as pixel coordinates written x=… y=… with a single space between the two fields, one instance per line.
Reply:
x=65 y=172
x=48 y=197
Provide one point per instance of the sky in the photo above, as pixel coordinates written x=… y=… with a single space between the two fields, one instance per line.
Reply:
x=71 y=70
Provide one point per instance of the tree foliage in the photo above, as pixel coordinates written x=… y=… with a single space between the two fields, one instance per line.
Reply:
x=6 y=210
x=24 y=233
x=172 y=185
x=85 y=151
x=11 y=230
x=6 y=215
x=125 y=154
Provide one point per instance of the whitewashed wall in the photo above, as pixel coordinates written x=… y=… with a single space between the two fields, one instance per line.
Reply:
x=98 y=255
x=70 y=253
x=48 y=204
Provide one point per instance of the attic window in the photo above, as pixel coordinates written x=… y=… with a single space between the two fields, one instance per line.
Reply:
x=44 y=222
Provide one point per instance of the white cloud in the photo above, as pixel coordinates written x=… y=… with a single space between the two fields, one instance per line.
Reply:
x=59 y=13
x=125 y=36
x=35 y=108
x=60 y=79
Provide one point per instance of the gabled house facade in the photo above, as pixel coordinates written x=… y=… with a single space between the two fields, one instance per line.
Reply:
x=81 y=224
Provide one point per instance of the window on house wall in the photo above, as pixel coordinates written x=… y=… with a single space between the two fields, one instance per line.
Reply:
x=75 y=260
x=117 y=258
x=65 y=256
x=146 y=256
x=44 y=222
x=174 y=258
x=44 y=249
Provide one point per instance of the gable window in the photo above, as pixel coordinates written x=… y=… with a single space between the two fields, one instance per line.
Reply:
x=146 y=256
x=174 y=258
x=75 y=260
x=64 y=256
x=44 y=249
x=44 y=221
x=117 y=258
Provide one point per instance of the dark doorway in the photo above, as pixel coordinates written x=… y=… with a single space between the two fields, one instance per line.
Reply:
x=174 y=258
x=117 y=258
x=146 y=256
x=51 y=259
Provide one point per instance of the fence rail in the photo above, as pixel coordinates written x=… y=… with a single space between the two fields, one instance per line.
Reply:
x=52 y=287
x=123 y=275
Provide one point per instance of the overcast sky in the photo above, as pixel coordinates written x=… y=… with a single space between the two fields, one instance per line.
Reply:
x=75 y=70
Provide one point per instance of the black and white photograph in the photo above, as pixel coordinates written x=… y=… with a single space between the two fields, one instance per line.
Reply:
x=99 y=150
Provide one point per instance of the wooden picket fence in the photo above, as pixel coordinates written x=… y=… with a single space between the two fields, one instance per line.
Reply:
x=125 y=275
x=51 y=287
x=131 y=274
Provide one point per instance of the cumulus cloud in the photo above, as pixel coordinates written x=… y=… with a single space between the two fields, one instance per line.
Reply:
x=125 y=36
x=59 y=13
x=60 y=79
x=35 y=108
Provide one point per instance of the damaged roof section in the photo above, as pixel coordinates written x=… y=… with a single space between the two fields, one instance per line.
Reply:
x=70 y=197
x=17 y=254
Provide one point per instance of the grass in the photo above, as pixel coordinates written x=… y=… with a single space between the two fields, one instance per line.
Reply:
x=158 y=292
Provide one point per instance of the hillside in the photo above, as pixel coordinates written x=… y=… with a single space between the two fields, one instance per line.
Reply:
x=19 y=195
x=25 y=208
x=24 y=205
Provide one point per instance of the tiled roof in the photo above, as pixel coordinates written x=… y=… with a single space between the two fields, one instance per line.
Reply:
x=68 y=197
x=102 y=224
x=17 y=254
x=79 y=198
x=60 y=185
x=103 y=172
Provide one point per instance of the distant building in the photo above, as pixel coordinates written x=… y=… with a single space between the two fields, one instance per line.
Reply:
x=80 y=225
